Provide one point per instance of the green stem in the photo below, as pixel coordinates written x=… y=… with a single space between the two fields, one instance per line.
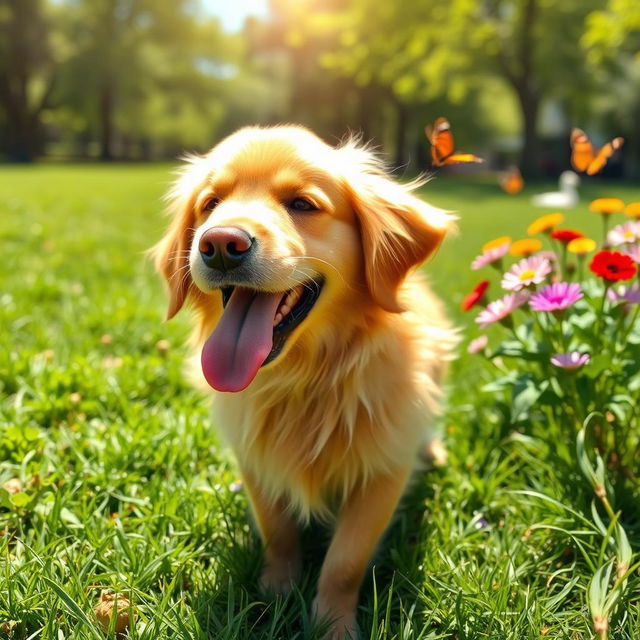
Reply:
x=605 y=229
x=601 y=310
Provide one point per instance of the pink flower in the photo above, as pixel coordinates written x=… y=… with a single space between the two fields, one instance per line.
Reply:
x=556 y=296
x=500 y=309
x=479 y=344
x=630 y=295
x=623 y=233
x=549 y=255
x=633 y=252
x=489 y=256
x=528 y=271
x=570 y=361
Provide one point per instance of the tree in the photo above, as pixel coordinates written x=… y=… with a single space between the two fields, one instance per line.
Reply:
x=423 y=50
x=612 y=43
x=27 y=74
x=145 y=71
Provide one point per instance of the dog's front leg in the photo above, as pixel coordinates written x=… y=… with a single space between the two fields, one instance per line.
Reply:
x=279 y=534
x=363 y=519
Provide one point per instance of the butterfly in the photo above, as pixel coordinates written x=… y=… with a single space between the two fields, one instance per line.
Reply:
x=512 y=181
x=583 y=156
x=442 y=146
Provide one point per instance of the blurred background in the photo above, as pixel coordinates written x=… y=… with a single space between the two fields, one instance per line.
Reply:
x=140 y=80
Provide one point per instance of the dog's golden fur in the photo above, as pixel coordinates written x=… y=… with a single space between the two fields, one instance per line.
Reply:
x=332 y=426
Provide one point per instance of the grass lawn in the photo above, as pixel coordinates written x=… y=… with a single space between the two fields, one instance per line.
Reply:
x=125 y=487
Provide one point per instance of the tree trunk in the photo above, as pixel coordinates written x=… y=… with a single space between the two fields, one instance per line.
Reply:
x=402 y=118
x=26 y=54
x=106 y=124
x=530 y=153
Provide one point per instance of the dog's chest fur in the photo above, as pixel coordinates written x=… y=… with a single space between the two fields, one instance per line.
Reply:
x=337 y=418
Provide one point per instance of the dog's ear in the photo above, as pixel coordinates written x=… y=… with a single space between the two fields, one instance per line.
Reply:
x=171 y=254
x=398 y=230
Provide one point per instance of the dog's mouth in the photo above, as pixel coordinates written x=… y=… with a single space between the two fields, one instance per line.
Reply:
x=252 y=331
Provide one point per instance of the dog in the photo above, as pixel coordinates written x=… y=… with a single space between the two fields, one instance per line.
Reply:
x=326 y=348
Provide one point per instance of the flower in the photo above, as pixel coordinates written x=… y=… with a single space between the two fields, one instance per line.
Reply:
x=606 y=205
x=633 y=252
x=613 y=266
x=487 y=257
x=556 y=296
x=500 y=309
x=528 y=271
x=566 y=235
x=580 y=246
x=545 y=223
x=570 y=361
x=632 y=210
x=549 y=255
x=630 y=295
x=471 y=299
x=623 y=233
x=477 y=345
x=525 y=247
x=496 y=242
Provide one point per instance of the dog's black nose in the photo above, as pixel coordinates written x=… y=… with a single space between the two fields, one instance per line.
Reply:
x=225 y=248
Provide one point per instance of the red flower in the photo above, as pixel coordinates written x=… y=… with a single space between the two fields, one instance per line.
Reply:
x=612 y=266
x=475 y=296
x=566 y=235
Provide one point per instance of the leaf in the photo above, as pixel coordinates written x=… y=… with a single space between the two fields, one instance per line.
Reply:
x=599 y=364
x=526 y=392
x=73 y=607
x=20 y=499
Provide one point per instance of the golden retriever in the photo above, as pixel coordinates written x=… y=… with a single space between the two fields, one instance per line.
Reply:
x=326 y=348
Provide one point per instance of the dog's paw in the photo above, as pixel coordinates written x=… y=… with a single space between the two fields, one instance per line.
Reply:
x=342 y=623
x=278 y=576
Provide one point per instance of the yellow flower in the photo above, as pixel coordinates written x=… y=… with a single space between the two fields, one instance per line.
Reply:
x=545 y=223
x=525 y=247
x=498 y=242
x=607 y=205
x=633 y=209
x=580 y=246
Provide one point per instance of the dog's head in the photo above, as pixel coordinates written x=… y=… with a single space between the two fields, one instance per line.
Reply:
x=275 y=232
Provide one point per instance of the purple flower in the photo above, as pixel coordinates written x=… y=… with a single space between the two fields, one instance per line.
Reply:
x=479 y=344
x=556 y=296
x=236 y=486
x=487 y=257
x=528 y=271
x=570 y=361
x=500 y=309
x=630 y=295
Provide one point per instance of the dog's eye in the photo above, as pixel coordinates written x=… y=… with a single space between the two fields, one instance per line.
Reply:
x=211 y=204
x=300 y=204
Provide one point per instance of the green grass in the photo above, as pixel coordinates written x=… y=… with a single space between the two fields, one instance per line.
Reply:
x=97 y=420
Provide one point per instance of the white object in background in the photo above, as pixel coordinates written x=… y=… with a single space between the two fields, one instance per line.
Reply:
x=566 y=198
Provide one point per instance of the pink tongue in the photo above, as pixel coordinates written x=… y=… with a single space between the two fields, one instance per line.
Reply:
x=242 y=340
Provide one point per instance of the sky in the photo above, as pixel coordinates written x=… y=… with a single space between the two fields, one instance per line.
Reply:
x=232 y=13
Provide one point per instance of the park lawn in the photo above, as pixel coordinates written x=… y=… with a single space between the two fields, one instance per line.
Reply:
x=125 y=486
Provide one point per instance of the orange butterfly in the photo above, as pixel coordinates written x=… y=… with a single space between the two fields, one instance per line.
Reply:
x=583 y=156
x=512 y=181
x=442 y=147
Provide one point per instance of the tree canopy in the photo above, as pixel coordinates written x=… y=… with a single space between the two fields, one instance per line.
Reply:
x=148 y=78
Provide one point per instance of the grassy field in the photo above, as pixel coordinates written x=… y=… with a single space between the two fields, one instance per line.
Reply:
x=124 y=485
